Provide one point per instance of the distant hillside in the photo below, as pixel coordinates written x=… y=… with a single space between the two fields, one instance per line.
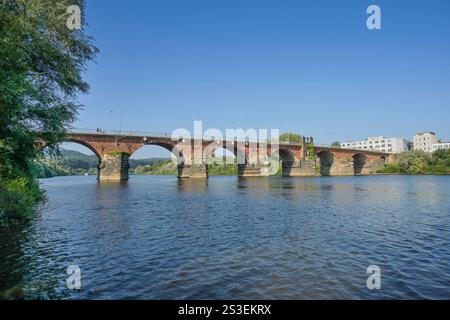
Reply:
x=134 y=163
x=77 y=160
x=72 y=162
x=76 y=154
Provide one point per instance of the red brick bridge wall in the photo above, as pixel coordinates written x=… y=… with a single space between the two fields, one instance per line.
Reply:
x=113 y=152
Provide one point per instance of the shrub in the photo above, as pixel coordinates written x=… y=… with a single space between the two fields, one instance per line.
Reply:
x=391 y=168
x=18 y=200
x=419 y=162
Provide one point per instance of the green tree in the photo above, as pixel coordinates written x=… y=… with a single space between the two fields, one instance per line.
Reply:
x=414 y=162
x=289 y=137
x=419 y=162
x=336 y=144
x=442 y=158
x=41 y=65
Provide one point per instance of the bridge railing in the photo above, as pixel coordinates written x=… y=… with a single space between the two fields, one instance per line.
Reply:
x=323 y=145
x=148 y=134
x=118 y=132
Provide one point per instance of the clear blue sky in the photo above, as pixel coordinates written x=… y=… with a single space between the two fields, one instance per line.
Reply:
x=304 y=66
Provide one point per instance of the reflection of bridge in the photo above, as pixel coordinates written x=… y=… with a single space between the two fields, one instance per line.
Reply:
x=114 y=149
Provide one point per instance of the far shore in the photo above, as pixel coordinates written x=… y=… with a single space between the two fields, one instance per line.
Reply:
x=232 y=175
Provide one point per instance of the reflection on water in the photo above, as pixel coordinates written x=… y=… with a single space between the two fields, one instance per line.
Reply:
x=228 y=237
x=192 y=185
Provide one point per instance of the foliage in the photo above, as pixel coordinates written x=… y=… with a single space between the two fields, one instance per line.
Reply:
x=41 y=65
x=318 y=167
x=44 y=168
x=222 y=166
x=311 y=151
x=75 y=160
x=391 y=168
x=419 y=162
x=216 y=167
x=134 y=163
x=118 y=154
x=289 y=137
x=158 y=167
x=18 y=199
x=336 y=144
x=280 y=169
x=414 y=162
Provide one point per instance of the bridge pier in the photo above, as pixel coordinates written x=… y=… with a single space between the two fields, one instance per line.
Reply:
x=299 y=168
x=114 y=167
x=193 y=170
x=373 y=165
x=253 y=170
x=342 y=167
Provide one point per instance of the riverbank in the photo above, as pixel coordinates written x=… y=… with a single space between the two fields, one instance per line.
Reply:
x=418 y=162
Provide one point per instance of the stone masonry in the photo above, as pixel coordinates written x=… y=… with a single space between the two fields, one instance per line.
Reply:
x=113 y=152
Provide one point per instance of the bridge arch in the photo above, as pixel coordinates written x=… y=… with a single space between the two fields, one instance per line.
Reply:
x=168 y=146
x=75 y=166
x=87 y=145
x=287 y=159
x=359 y=161
x=220 y=160
x=210 y=150
x=326 y=161
x=155 y=158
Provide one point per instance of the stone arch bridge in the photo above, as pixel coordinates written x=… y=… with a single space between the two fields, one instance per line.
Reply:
x=114 y=149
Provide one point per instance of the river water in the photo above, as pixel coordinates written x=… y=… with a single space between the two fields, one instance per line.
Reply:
x=157 y=237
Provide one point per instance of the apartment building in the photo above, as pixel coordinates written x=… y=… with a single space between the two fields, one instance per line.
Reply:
x=388 y=145
x=424 y=141
x=440 y=146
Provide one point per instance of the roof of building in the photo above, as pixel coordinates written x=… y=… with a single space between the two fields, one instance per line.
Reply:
x=430 y=132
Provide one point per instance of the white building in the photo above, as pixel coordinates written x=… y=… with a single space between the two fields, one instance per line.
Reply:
x=440 y=146
x=424 y=140
x=388 y=145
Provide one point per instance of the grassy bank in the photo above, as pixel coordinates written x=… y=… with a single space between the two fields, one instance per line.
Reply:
x=418 y=162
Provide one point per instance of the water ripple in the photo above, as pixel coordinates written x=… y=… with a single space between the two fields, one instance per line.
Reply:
x=230 y=238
